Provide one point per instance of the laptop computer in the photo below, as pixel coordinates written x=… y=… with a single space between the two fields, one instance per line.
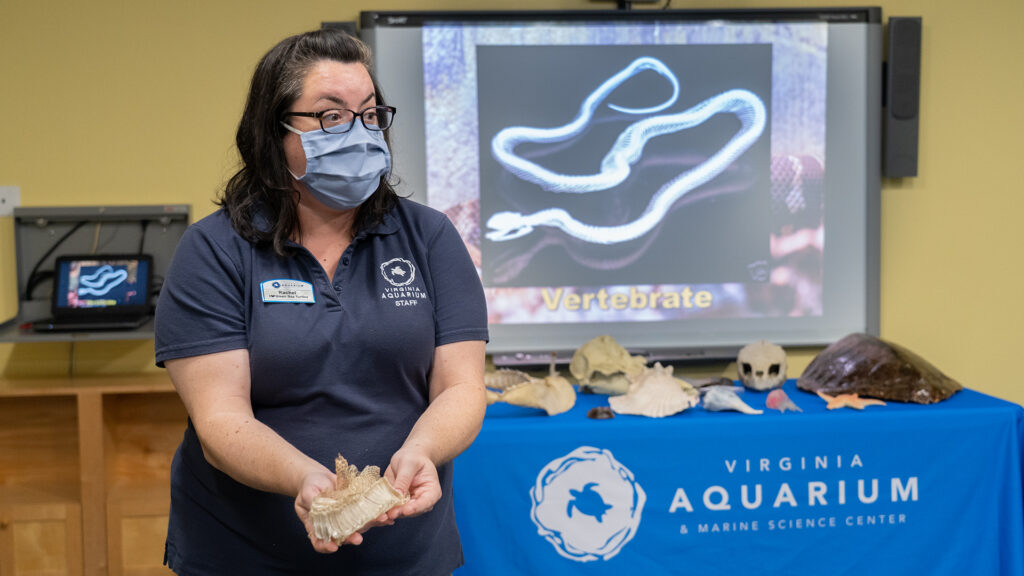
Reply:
x=99 y=292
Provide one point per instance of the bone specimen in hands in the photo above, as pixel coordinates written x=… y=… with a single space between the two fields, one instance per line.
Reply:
x=357 y=498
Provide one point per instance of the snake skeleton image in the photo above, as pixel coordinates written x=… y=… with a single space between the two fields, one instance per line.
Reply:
x=625 y=152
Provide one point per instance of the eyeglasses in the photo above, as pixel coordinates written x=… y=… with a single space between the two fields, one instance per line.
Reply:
x=340 y=120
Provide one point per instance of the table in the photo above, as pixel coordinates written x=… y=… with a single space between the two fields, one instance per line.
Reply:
x=895 y=489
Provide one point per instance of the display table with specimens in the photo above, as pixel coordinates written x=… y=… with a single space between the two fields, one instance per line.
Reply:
x=895 y=489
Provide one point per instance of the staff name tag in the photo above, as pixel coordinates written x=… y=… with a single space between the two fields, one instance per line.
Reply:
x=282 y=290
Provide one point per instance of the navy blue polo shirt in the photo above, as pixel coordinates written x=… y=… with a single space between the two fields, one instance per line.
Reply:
x=339 y=365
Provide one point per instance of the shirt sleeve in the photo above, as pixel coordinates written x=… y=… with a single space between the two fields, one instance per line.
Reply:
x=460 y=308
x=202 y=304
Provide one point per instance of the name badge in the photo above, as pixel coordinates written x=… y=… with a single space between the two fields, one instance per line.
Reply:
x=283 y=290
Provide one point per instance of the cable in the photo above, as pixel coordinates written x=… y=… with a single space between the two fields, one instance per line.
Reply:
x=96 y=238
x=142 y=239
x=35 y=277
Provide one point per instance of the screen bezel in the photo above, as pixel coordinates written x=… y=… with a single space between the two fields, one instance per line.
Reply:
x=514 y=343
x=145 y=263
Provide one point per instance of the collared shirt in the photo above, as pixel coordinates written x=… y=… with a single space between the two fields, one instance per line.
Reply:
x=339 y=366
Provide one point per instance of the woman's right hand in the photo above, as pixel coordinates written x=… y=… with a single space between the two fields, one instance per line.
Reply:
x=312 y=485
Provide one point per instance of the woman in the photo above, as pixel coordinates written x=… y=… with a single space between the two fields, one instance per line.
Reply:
x=317 y=314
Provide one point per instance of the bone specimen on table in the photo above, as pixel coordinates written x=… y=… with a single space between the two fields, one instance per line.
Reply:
x=869 y=366
x=761 y=365
x=604 y=367
x=552 y=393
x=505 y=378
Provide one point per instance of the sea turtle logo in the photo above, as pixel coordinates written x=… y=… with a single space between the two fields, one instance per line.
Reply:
x=398 y=271
x=587 y=504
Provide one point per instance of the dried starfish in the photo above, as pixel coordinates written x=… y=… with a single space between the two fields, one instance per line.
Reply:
x=848 y=400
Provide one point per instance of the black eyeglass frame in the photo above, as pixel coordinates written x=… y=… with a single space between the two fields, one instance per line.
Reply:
x=391 y=110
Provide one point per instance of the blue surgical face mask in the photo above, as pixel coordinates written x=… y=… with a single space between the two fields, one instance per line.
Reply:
x=343 y=170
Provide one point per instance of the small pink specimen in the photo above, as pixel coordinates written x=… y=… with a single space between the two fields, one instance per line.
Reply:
x=778 y=400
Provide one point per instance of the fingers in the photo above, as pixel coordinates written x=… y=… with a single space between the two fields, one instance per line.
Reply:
x=329 y=546
x=402 y=477
x=424 y=492
x=410 y=473
x=322 y=546
x=312 y=485
x=422 y=500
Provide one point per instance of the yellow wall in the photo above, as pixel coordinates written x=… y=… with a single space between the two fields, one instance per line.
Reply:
x=127 y=102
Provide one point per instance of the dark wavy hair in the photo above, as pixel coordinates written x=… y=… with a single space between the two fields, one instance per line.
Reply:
x=263 y=185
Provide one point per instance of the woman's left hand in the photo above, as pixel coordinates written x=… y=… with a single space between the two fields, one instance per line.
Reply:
x=413 y=473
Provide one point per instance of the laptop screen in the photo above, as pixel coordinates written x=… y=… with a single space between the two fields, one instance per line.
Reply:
x=100 y=285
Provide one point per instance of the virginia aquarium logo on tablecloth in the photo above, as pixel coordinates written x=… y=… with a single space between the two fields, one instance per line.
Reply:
x=587 y=504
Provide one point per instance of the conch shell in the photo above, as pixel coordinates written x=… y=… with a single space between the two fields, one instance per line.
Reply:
x=357 y=498
x=553 y=393
x=656 y=393
x=721 y=398
x=604 y=366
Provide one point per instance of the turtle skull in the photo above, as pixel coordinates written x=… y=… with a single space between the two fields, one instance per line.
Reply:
x=761 y=365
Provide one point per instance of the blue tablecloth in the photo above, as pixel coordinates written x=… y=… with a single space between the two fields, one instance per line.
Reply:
x=895 y=489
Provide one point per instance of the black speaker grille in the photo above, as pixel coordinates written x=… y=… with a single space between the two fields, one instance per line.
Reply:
x=904 y=67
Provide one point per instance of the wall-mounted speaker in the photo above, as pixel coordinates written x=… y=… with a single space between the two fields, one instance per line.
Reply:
x=902 y=97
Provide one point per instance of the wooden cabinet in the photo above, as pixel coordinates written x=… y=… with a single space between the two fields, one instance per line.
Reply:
x=84 y=474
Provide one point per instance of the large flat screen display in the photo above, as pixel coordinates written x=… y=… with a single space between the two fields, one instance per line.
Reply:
x=685 y=181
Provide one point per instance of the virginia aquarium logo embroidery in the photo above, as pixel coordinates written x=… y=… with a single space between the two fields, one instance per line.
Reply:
x=587 y=504
x=398 y=272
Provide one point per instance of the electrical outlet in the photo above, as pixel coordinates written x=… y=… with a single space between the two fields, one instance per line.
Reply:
x=10 y=196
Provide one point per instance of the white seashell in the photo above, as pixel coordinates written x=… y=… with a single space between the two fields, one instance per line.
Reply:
x=655 y=393
x=720 y=398
x=357 y=498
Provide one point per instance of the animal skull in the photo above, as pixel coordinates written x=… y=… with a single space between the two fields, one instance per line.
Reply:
x=761 y=365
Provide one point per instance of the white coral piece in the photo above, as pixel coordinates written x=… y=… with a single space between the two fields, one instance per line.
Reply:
x=357 y=498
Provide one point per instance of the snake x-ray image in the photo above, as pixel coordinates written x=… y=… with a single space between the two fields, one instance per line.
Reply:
x=624 y=164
